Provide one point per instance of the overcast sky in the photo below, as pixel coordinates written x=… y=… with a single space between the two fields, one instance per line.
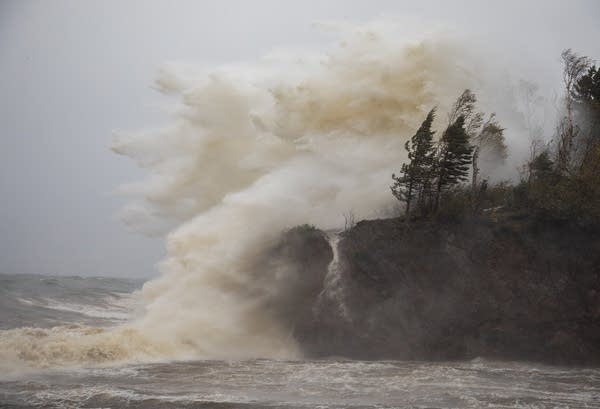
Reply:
x=72 y=72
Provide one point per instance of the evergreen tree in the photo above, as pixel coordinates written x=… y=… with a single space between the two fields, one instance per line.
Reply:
x=541 y=166
x=587 y=87
x=489 y=146
x=454 y=158
x=466 y=106
x=415 y=175
x=586 y=94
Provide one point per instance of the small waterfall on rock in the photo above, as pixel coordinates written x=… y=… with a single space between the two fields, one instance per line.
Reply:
x=334 y=290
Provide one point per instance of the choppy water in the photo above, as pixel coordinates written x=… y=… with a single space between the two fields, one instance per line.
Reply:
x=332 y=383
x=46 y=301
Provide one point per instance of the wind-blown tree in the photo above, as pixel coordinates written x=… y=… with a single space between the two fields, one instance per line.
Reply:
x=574 y=69
x=414 y=178
x=587 y=88
x=466 y=106
x=490 y=145
x=454 y=157
x=586 y=175
x=564 y=183
x=586 y=96
x=486 y=138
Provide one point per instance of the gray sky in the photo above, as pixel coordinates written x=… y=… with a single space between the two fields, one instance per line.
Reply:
x=72 y=72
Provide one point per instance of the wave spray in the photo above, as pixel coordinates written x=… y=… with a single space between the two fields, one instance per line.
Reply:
x=255 y=149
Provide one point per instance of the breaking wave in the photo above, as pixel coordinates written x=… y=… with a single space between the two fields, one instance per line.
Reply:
x=255 y=149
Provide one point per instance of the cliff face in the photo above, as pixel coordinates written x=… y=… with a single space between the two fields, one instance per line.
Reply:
x=497 y=289
x=296 y=266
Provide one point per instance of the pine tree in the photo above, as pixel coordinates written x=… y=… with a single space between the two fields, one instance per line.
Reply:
x=587 y=87
x=454 y=158
x=490 y=146
x=466 y=106
x=415 y=175
x=586 y=94
x=541 y=166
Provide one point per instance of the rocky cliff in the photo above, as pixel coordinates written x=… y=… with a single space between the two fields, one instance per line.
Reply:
x=505 y=288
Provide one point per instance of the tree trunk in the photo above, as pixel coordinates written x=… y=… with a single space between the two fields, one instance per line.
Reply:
x=409 y=194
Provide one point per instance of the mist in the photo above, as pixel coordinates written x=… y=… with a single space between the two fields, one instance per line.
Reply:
x=249 y=143
x=71 y=74
x=260 y=204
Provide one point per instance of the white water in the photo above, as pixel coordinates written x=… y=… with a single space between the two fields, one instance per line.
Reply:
x=327 y=383
x=334 y=292
x=311 y=384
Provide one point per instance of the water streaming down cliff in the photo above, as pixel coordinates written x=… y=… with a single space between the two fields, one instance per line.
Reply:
x=253 y=150
x=333 y=291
